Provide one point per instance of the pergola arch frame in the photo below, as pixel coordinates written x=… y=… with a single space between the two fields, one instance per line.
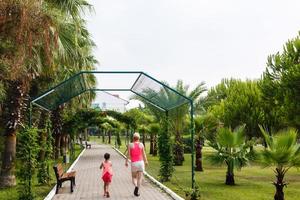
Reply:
x=140 y=73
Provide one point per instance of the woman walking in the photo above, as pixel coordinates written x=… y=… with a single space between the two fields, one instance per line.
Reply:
x=138 y=158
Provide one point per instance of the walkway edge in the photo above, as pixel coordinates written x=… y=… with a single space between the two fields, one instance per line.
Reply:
x=51 y=194
x=159 y=184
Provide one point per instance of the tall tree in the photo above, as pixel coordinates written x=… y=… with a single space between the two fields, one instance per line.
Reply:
x=235 y=102
x=28 y=43
x=281 y=85
x=20 y=22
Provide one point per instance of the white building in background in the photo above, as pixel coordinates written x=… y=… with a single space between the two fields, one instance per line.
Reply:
x=108 y=101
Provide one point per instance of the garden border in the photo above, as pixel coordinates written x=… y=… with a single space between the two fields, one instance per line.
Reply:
x=51 y=194
x=156 y=182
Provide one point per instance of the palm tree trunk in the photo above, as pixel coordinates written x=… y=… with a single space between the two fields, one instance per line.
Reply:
x=230 y=174
x=199 y=166
x=57 y=130
x=109 y=137
x=155 y=145
x=151 y=143
x=280 y=184
x=13 y=110
x=7 y=178
x=103 y=136
x=178 y=150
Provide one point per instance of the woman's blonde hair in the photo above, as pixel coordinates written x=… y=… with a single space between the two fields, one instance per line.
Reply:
x=136 y=136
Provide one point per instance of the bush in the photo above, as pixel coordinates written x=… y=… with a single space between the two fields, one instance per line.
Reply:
x=43 y=174
x=165 y=152
x=192 y=194
x=27 y=153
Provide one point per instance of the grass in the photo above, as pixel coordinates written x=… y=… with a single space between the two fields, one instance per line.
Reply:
x=252 y=182
x=41 y=191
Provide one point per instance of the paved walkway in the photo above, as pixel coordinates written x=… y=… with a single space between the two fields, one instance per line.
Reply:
x=89 y=186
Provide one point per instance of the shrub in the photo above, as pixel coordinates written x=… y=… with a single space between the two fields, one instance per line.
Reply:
x=27 y=153
x=192 y=194
x=165 y=152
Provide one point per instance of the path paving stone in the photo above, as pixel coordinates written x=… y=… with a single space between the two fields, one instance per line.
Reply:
x=89 y=185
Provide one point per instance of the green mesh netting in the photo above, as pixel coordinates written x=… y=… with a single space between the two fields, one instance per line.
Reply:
x=157 y=93
x=63 y=92
x=141 y=84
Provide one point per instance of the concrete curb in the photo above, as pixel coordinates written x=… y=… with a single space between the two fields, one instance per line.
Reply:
x=159 y=184
x=51 y=194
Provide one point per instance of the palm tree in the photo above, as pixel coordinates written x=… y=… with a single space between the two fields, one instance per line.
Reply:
x=199 y=141
x=231 y=149
x=25 y=29
x=179 y=114
x=75 y=49
x=28 y=42
x=206 y=127
x=283 y=152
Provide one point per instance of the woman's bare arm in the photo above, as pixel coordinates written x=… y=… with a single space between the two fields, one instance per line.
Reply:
x=145 y=156
x=127 y=155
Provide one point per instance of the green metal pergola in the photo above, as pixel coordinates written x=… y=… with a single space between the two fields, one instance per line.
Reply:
x=155 y=92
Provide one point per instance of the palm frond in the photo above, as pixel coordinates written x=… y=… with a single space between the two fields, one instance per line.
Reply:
x=282 y=150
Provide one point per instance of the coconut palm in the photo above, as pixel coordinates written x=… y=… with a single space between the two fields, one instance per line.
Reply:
x=282 y=152
x=231 y=150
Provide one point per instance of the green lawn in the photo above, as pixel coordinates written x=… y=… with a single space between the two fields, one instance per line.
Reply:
x=252 y=182
x=40 y=190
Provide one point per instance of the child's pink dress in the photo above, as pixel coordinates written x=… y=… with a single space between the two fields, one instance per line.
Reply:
x=107 y=172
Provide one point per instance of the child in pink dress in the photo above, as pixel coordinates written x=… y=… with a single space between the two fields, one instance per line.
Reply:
x=106 y=167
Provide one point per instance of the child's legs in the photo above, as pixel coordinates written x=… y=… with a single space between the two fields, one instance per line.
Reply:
x=134 y=178
x=107 y=186
x=104 y=188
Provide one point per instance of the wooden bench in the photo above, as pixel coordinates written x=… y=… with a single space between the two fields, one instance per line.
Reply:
x=87 y=145
x=62 y=177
